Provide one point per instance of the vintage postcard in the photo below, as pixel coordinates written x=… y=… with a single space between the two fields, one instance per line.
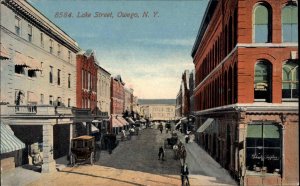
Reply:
x=149 y=92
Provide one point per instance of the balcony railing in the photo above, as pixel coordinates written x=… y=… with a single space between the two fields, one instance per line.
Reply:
x=34 y=110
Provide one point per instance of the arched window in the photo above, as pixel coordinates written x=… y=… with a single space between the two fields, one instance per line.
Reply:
x=262 y=25
x=262 y=82
x=289 y=18
x=290 y=80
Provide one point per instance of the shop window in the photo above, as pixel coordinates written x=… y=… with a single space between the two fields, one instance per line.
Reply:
x=19 y=69
x=263 y=147
x=262 y=82
x=290 y=80
x=262 y=24
x=289 y=18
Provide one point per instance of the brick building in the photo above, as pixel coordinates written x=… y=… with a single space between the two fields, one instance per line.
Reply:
x=86 y=89
x=117 y=95
x=246 y=89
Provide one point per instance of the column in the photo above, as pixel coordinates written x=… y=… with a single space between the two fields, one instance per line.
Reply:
x=49 y=164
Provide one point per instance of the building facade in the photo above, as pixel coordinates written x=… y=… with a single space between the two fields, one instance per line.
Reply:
x=185 y=93
x=158 y=109
x=39 y=53
x=103 y=90
x=191 y=88
x=178 y=107
x=117 y=95
x=128 y=99
x=246 y=89
x=86 y=89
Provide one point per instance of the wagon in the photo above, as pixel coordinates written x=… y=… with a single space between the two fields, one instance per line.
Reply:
x=83 y=150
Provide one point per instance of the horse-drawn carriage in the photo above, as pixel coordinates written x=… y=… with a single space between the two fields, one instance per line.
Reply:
x=170 y=142
x=83 y=149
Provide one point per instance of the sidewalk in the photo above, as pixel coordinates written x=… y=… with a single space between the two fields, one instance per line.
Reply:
x=201 y=163
x=19 y=176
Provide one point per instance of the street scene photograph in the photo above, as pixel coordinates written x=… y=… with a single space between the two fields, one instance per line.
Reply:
x=149 y=92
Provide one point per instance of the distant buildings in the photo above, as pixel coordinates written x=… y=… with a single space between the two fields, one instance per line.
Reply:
x=128 y=100
x=157 y=109
x=246 y=89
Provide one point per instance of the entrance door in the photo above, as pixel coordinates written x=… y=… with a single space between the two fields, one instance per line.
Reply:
x=61 y=139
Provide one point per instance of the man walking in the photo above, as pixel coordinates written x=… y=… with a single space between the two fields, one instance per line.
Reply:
x=184 y=174
x=161 y=153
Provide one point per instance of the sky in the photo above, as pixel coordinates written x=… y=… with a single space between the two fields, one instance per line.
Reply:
x=150 y=51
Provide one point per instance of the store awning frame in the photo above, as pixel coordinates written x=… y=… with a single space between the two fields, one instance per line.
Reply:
x=205 y=125
x=9 y=142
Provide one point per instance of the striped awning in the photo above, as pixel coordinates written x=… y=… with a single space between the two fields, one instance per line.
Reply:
x=9 y=142
x=3 y=52
x=122 y=120
x=33 y=64
x=116 y=122
x=205 y=125
x=20 y=59
x=130 y=120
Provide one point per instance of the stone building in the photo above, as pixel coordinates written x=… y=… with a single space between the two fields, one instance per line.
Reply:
x=103 y=90
x=128 y=99
x=178 y=106
x=158 y=109
x=38 y=82
x=246 y=89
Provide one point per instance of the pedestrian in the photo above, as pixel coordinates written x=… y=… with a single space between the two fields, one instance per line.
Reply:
x=175 y=149
x=161 y=128
x=182 y=155
x=184 y=174
x=161 y=153
x=187 y=138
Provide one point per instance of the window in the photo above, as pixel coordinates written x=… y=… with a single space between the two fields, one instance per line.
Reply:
x=290 y=80
x=42 y=99
x=262 y=30
x=18 y=25
x=289 y=18
x=69 y=56
x=263 y=147
x=89 y=81
x=262 y=82
x=50 y=100
x=69 y=80
x=31 y=73
x=51 y=75
x=59 y=101
x=82 y=78
x=19 y=69
x=51 y=46
x=41 y=68
x=58 y=76
x=69 y=102
x=29 y=33
x=42 y=40
x=58 y=50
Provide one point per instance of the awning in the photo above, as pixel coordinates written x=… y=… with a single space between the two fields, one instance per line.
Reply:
x=3 y=52
x=93 y=127
x=143 y=120
x=130 y=120
x=96 y=121
x=116 y=122
x=177 y=125
x=206 y=124
x=184 y=120
x=9 y=142
x=33 y=64
x=122 y=120
x=20 y=59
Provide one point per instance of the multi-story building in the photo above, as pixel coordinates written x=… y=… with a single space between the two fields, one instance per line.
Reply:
x=117 y=105
x=158 y=109
x=246 y=90
x=103 y=90
x=37 y=81
x=191 y=89
x=128 y=99
x=86 y=89
x=178 y=107
x=185 y=93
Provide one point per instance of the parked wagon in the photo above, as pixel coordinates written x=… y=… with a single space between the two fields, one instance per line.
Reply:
x=83 y=150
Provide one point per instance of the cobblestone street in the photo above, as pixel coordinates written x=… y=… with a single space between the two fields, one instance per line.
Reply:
x=135 y=162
